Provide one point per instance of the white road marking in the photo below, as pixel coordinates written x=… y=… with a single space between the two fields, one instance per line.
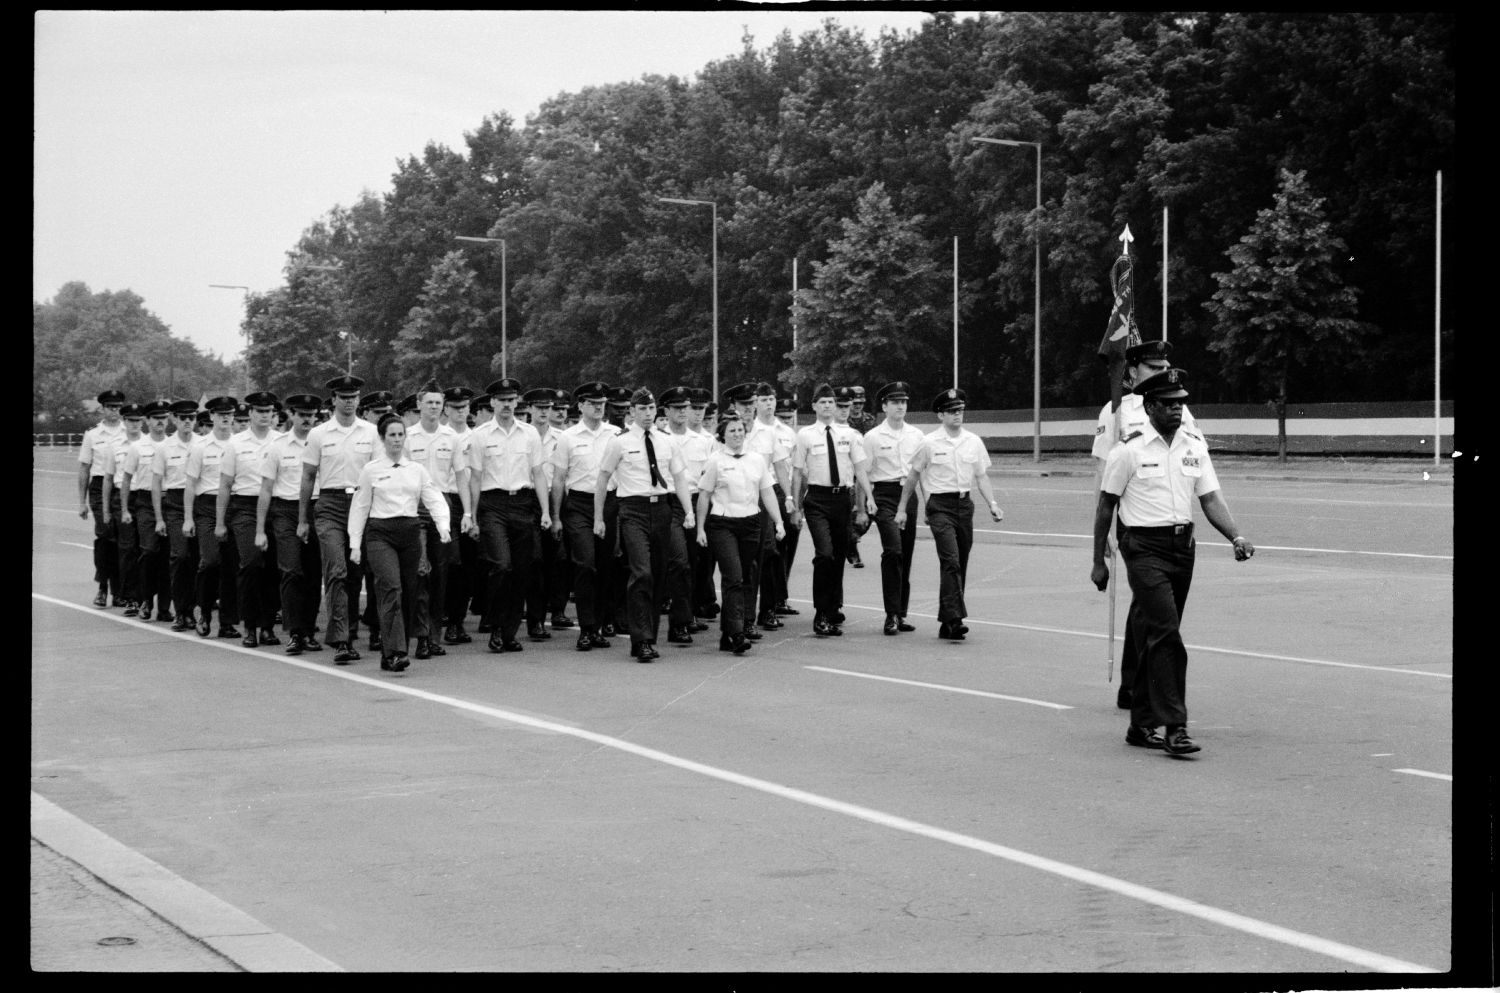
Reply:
x=1420 y=772
x=1197 y=648
x=1350 y=954
x=941 y=686
x=75 y=544
x=1225 y=544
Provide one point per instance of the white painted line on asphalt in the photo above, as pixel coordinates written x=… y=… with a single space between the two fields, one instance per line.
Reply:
x=222 y=926
x=1197 y=648
x=1350 y=954
x=1429 y=775
x=78 y=544
x=940 y=686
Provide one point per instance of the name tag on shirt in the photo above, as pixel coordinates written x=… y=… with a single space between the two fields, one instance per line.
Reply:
x=1151 y=470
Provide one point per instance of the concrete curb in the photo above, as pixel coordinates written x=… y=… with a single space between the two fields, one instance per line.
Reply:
x=199 y=914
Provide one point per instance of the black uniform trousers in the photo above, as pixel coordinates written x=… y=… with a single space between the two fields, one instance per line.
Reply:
x=432 y=588
x=592 y=558
x=217 y=565
x=300 y=565
x=787 y=545
x=646 y=536
x=463 y=560
x=950 y=516
x=541 y=584
x=1159 y=565
x=106 y=537
x=827 y=511
x=393 y=553
x=679 y=578
x=182 y=560
x=156 y=580
x=239 y=518
x=897 y=545
x=128 y=545
x=736 y=544
x=341 y=578
x=773 y=590
x=508 y=525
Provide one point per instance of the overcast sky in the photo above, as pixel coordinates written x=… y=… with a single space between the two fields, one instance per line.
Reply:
x=174 y=150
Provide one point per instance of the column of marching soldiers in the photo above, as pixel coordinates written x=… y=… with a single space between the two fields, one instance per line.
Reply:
x=503 y=507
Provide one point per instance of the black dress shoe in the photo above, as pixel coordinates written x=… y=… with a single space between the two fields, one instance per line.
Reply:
x=512 y=646
x=399 y=662
x=229 y=632
x=268 y=637
x=597 y=640
x=607 y=630
x=585 y=641
x=118 y=602
x=784 y=608
x=249 y=639
x=143 y=614
x=496 y=643
x=484 y=627
x=709 y=610
x=182 y=624
x=164 y=615
x=1143 y=737
x=960 y=628
x=890 y=625
x=311 y=644
x=1178 y=743
x=537 y=633
x=697 y=626
x=951 y=632
x=767 y=620
x=101 y=600
x=902 y=626
x=751 y=634
x=648 y=653
x=456 y=635
x=204 y=628
x=345 y=654
x=294 y=644
x=837 y=617
x=424 y=648
x=435 y=648
x=561 y=620
x=679 y=636
x=387 y=663
x=726 y=643
x=375 y=643
x=823 y=629
x=132 y=609
x=1122 y=698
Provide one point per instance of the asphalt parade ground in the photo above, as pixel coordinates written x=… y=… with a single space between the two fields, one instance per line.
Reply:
x=855 y=804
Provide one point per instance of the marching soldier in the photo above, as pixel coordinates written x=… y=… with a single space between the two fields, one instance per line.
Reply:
x=648 y=469
x=950 y=463
x=463 y=551
x=539 y=578
x=140 y=513
x=298 y=560
x=560 y=581
x=786 y=413
x=829 y=462
x=892 y=445
x=235 y=518
x=1151 y=479
x=683 y=550
x=116 y=502
x=575 y=475
x=336 y=451
x=507 y=488
x=434 y=446
x=91 y=471
x=215 y=582
x=847 y=398
x=774 y=442
x=170 y=504
x=705 y=596
x=1141 y=361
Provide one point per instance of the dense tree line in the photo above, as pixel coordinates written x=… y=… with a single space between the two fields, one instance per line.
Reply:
x=83 y=343
x=855 y=157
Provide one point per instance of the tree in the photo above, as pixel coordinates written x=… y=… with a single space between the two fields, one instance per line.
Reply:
x=446 y=337
x=874 y=313
x=1284 y=306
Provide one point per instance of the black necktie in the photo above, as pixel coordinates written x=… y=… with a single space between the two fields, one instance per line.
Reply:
x=833 y=457
x=656 y=479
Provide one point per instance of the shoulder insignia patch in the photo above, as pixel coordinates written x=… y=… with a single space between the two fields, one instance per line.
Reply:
x=1132 y=436
x=1192 y=434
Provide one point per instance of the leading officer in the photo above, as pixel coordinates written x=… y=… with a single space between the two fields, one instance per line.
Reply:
x=1151 y=480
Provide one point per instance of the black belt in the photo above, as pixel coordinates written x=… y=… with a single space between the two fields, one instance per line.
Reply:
x=889 y=482
x=511 y=493
x=1165 y=529
x=649 y=499
x=828 y=489
x=959 y=494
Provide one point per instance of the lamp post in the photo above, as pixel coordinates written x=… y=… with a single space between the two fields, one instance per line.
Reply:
x=504 y=338
x=246 y=289
x=714 y=206
x=1036 y=387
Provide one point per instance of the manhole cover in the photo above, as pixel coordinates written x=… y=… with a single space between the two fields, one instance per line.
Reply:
x=117 y=941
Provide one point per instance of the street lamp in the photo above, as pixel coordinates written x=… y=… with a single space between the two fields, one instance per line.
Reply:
x=345 y=334
x=715 y=207
x=246 y=289
x=504 y=350
x=1036 y=233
